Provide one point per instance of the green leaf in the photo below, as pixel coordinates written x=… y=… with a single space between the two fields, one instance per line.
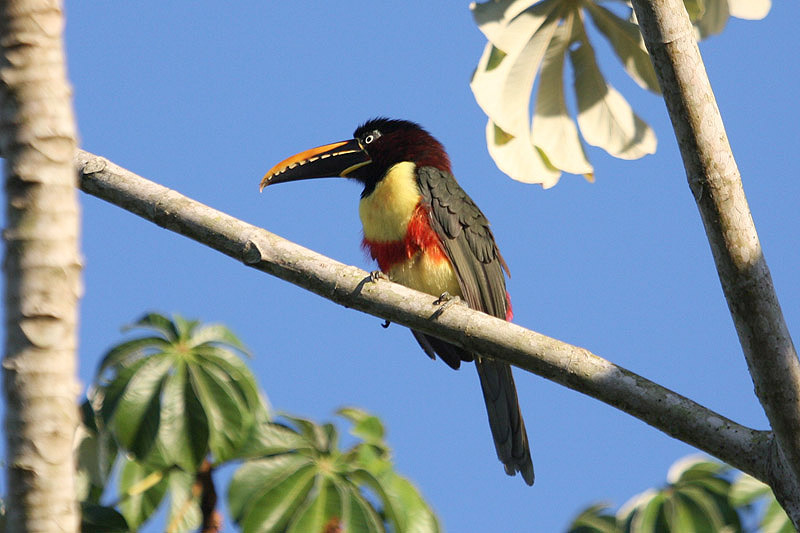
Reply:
x=694 y=467
x=158 y=323
x=258 y=476
x=127 y=352
x=775 y=519
x=263 y=495
x=366 y=426
x=314 y=433
x=696 y=508
x=97 y=518
x=747 y=489
x=323 y=508
x=650 y=517
x=184 y=327
x=142 y=491
x=359 y=515
x=184 y=507
x=267 y=438
x=410 y=509
x=595 y=519
x=627 y=42
x=605 y=118
x=109 y=395
x=96 y=453
x=137 y=415
x=554 y=131
x=212 y=334
x=228 y=416
x=183 y=431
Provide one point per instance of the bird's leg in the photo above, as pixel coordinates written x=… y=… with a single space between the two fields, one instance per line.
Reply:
x=445 y=300
x=374 y=276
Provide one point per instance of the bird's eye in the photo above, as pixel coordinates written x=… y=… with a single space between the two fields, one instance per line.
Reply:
x=372 y=136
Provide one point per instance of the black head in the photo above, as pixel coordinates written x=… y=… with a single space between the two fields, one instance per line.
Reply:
x=390 y=141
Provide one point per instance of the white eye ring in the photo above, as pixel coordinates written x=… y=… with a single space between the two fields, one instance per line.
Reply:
x=372 y=136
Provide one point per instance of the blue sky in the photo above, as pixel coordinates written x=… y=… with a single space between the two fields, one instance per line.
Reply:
x=204 y=99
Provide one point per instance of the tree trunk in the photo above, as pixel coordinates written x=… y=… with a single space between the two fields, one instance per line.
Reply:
x=745 y=278
x=42 y=269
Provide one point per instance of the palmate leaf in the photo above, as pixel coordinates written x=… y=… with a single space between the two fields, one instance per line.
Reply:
x=698 y=497
x=626 y=40
x=525 y=39
x=605 y=118
x=711 y=16
x=172 y=400
x=96 y=453
x=504 y=92
x=142 y=489
x=595 y=519
x=695 y=499
x=316 y=486
x=97 y=518
x=747 y=490
x=554 y=131
x=184 y=507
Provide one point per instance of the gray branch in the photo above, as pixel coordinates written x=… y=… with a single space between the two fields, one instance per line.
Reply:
x=717 y=187
x=571 y=366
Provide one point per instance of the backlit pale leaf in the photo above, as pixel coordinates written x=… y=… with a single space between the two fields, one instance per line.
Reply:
x=517 y=157
x=627 y=42
x=713 y=19
x=554 y=131
x=749 y=9
x=504 y=92
x=605 y=118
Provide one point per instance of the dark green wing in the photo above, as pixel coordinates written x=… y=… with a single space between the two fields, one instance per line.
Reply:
x=467 y=240
x=469 y=243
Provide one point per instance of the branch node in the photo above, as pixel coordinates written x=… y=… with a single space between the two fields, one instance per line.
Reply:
x=251 y=253
x=94 y=165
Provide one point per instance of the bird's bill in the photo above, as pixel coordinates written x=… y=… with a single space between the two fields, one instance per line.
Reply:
x=331 y=160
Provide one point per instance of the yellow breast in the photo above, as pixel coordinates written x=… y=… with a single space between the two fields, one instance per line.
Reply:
x=385 y=213
x=425 y=273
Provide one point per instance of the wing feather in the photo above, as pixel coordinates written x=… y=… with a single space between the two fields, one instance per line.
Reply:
x=471 y=248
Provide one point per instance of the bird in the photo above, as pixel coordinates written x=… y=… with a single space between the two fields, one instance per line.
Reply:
x=426 y=233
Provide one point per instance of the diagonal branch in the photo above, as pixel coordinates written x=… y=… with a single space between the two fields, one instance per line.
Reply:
x=717 y=187
x=571 y=366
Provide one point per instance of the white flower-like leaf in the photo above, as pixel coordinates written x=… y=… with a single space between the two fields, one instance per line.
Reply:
x=554 y=132
x=604 y=116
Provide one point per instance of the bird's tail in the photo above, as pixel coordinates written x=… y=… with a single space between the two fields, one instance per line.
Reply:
x=505 y=418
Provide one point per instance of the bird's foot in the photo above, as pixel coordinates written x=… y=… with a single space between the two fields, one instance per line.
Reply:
x=386 y=324
x=445 y=300
x=375 y=275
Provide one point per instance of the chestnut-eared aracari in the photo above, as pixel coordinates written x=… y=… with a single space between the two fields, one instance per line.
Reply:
x=426 y=233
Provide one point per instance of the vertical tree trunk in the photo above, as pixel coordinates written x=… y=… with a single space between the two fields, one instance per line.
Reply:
x=745 y=278
x=41 y=266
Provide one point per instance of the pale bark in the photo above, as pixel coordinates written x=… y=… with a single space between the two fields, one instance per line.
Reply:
x=568 y=365
x=717 y=187
x=42 y=269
